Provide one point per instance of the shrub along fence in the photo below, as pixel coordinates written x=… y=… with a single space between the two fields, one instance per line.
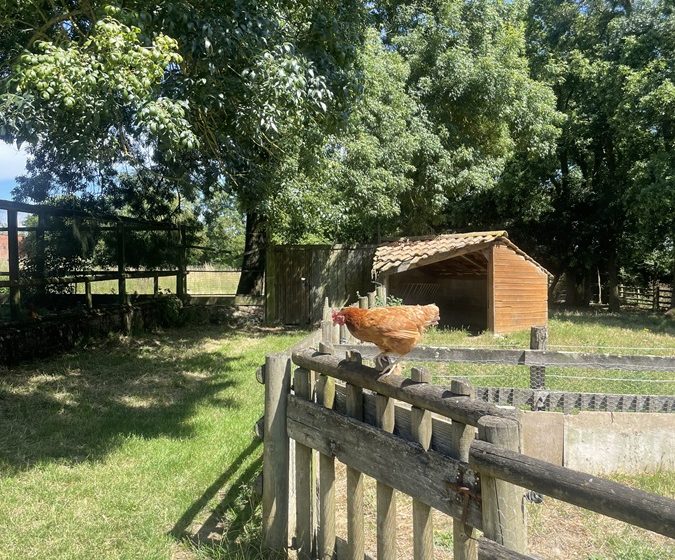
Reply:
x=464 y=461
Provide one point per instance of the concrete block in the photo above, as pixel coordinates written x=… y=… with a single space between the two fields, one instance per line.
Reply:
x=625 y=442
x=542 y=435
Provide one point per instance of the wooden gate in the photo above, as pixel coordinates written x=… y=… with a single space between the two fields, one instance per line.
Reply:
x=446 y=449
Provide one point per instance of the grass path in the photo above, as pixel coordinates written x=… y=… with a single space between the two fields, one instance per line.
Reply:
x=112 y=452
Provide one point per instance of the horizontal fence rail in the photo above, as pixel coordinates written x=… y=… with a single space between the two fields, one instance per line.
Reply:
x=649 y=511
x=531 y=358
x=431 y=477
x=434 y=398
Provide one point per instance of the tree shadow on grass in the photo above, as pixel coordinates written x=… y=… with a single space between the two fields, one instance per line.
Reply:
x=626 y=319
x=79 y=407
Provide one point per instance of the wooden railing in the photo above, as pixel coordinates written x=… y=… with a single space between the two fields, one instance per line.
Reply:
x=341 y=409
x=655 y=297
x=119 y=224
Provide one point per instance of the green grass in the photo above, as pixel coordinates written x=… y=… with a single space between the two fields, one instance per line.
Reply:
x=561 y=531
x=198 y=282
x=574 y=331
x=119 y=450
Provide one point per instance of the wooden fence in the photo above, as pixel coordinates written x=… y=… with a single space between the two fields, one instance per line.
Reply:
x=118 y=224
x=447 y=449
x=655 y=297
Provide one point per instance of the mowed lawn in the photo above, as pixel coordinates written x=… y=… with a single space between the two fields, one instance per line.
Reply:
x=117 y=450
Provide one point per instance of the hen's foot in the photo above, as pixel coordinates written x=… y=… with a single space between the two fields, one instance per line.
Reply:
x=393 y=367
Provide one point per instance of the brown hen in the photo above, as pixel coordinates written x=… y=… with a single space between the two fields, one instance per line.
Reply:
x=394 y=330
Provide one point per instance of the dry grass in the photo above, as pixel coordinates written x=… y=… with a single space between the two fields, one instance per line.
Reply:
x=556 y=530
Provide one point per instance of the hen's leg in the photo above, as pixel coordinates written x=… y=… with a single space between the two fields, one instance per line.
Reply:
x=392 y=365
x=381 y=361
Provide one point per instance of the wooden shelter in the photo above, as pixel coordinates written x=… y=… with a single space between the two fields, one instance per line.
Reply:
x=480 y=280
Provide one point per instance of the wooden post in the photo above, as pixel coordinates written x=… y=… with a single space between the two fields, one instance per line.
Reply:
x=538 y=338
x=13 y=255
x=180 y=275
x=121 y=264
x=363 y=302
x=305 y=482
x=275 y=454
x=87 y=294
x=327 y=331
x=355 y=533
x=371 y=300
x=325 y=391
x=502 y=503
x=40 y=252
x=381 y=292
x=423 y=529
x=155 y=285
x=657 y=297
x=461 y=436
x=386 y=496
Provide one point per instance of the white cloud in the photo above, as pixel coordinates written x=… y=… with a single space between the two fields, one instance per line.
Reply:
x=12 y=161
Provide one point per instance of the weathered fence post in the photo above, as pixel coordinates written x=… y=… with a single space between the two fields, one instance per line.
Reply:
x=386 y=496
x=305 y=483
x=155 y=285
x=275 y=453
x=181 y=276
x=40 y=252
x=538 y=338
x=381 y=292
x=121 y=264
x=325 y=392
x=363 y=302
x=13 y=256
x=371 y=299
x=461 y=436
x=87 y=294
x=502 y=503
x=355 y=533
x=423 y=529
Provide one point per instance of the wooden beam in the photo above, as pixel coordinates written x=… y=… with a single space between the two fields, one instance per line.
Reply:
x=429 y=477
x=434 y=398
x=490 y=550
x=47 y=210
x=13 y=256
x=649 y=511
x=276 y=454
x=524 y=357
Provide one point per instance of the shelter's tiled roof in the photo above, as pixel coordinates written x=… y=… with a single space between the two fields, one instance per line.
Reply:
x=405 y=253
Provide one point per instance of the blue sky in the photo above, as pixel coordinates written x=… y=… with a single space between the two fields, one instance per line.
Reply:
x=12 y=163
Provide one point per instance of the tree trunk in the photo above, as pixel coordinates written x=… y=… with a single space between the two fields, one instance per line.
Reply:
x=251 y=281
x=613 y=281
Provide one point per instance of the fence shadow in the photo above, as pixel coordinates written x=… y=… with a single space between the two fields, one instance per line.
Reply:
x=233 y=526
x=75 y=407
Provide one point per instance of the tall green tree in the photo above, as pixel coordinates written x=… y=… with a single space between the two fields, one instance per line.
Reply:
x=612 y=64
x=212 y=95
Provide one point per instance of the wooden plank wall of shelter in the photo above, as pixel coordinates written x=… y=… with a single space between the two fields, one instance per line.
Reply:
x=341 y=409
x=299 y=278
x=517 y=292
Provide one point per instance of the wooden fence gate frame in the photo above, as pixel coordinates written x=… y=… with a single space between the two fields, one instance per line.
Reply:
x=478 y=477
